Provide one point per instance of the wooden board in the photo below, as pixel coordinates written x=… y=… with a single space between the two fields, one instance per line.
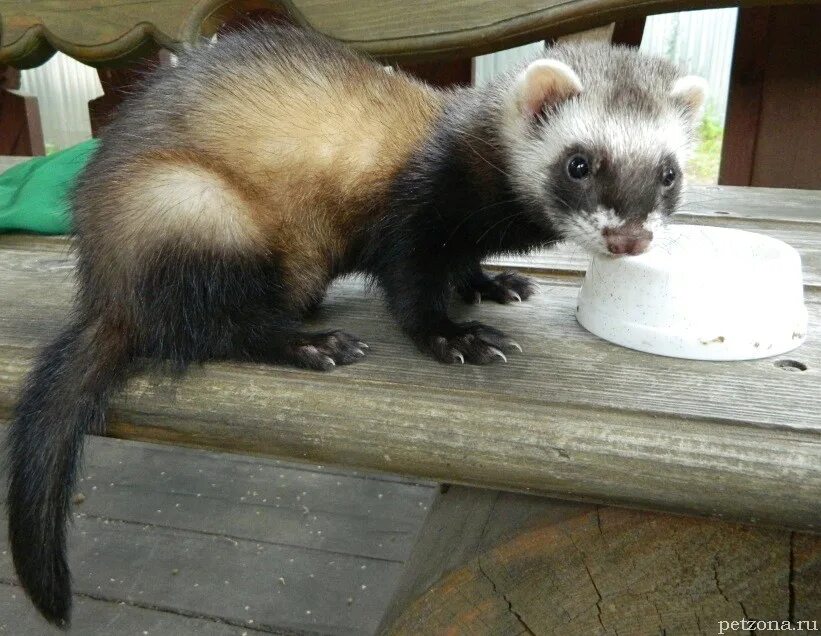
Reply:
x=179 y=540
x=136 y=562
x=572 y=416
x=247 y=498
x=773 y=126
x=102 y=31
x=20 y=130
x=104 y=618
x=789 y=133
x=578 y=570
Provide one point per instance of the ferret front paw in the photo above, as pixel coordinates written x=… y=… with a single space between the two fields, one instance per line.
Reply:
x=324 y=351
x=471 y=342
x=503 y=288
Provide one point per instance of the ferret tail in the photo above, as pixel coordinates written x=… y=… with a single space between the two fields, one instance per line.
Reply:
x=63 y=398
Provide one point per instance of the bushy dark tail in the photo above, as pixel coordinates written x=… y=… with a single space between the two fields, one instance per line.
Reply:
x=64 y=397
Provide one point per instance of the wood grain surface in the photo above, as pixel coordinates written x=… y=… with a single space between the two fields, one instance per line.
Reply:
x=106 y=31
x=578 y=570
x=573 y=416
x=182 y=542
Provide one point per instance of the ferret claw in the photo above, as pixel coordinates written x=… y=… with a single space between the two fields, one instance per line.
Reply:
x=515 y=345
x=515 y=295
x=362 y=345
x=459 y=357
x=498 y=353
x=331 y=360
x=359 y=352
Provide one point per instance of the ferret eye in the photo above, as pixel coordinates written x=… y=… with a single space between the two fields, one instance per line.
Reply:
x=668 y=177
x=578 y=167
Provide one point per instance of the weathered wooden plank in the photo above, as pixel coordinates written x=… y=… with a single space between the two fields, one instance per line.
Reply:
x=463 y=523
x=573 y=416
x=229 y=499
x=93 y=617
x=99 y=31
x=572 y=569
x=765 y=204
x=601 y=456
x=563 y=363
x=252 y=498
x=225 y=579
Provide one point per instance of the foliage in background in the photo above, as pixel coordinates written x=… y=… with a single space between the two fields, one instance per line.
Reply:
x=704 y=164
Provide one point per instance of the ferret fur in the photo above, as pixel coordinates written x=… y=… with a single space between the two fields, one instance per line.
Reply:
x=237 y=184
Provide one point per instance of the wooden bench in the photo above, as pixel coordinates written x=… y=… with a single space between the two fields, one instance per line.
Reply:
x=574 y=417
x=726 y=455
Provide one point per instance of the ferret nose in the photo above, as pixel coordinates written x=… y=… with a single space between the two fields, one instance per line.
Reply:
x=627 y=240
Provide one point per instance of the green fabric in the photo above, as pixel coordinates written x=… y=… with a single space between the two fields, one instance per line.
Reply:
x=33 y=195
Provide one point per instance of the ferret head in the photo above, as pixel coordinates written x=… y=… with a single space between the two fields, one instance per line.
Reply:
x=597 y=138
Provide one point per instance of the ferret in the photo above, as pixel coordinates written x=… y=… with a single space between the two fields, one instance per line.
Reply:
x=239 y=183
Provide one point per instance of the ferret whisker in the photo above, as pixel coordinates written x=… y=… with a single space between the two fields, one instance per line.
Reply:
x=474 y=213
x=499 y=222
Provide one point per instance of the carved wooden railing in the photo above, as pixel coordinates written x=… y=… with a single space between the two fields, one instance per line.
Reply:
x=100 y=32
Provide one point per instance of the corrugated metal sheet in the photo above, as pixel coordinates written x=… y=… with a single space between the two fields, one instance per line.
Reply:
x=63 y=87
x=700 y=41
x=486 y=67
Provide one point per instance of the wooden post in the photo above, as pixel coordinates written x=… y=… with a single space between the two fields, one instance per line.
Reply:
x=501 y=563
x=744 y=101
x=21 y=133
x=444 y=74
x=629 y=32
x=773 y=130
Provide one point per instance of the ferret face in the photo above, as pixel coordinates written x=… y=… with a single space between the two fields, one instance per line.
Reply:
x=610 y=197
x=602 y=163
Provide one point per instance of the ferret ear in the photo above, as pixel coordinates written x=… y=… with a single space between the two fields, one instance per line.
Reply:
x=543 y=83
x=690 y=92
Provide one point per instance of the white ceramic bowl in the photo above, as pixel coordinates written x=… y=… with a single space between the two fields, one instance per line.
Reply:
x=706 y=293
